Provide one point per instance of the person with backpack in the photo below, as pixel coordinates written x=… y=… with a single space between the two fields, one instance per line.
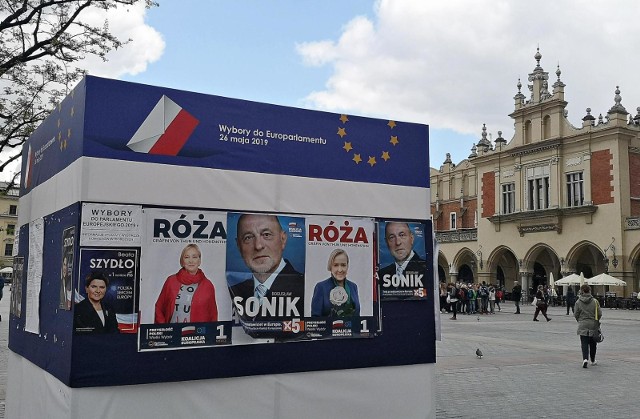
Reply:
x=483 y=292
x=464 y=299
x=499 y=295
x=516 y=295
x=473 y=305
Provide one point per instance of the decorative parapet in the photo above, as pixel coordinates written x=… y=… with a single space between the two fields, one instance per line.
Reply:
x=632 y=223
x=454 y=236
x=543 y=220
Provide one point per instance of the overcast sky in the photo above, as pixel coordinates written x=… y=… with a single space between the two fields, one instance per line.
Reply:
x=453 y=65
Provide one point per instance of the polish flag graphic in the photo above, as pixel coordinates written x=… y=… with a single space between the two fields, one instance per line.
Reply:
x=28 y=169
x=165 y=130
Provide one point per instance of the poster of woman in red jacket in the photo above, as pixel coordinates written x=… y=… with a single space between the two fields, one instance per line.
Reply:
x=187 y=296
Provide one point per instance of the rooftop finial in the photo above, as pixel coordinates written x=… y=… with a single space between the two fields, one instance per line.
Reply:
x=538 y=56
x=618 y=108
x=484 y=143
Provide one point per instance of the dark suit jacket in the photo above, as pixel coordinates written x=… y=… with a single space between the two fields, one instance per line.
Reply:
x=415 y=266
x=288 y=283
x=86 y=320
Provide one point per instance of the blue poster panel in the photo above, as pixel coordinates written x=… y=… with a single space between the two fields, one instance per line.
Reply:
x=105 y=298
x=66 y=273
x=403 y=266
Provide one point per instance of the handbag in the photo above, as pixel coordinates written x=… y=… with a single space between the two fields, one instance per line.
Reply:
x=598 y=336
x=534 y=302
x=448 y=299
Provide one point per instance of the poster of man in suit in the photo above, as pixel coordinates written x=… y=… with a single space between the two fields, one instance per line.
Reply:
x=401 y=256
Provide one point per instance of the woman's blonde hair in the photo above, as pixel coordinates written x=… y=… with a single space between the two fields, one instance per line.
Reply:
x=334 y=255
x=187 y=247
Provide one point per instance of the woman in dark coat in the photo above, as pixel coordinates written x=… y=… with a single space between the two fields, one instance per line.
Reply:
x=92 y=315
x=541 y=304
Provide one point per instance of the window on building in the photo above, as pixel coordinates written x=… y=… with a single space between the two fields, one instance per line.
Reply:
x=508 y=198
x=13 y=210
x=8 y=249
x=452 y=221
x=575 y=189
x=11 y=229
x=538 y=188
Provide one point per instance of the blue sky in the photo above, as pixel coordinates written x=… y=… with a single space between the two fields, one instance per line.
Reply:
x=453 y=65
x=247 y=50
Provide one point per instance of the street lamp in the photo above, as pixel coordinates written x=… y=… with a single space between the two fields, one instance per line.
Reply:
x=479 y=255
x=614 y=261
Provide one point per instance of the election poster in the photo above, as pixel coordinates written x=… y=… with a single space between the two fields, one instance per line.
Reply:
x=339 y=277
x=265 y=274
x=16 y=286
x=107 y=282
x=111 y=225
x=184 y=302
x=403 y=268
x=66 y=272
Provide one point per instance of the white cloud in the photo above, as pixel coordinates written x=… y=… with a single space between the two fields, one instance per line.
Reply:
x=146 y=44
x=455 y=64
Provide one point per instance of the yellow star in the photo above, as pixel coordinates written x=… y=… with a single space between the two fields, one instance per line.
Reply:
x=59 y=136
x=344 y=119
x=58 y=122
x=391 y=124
x=394 y=140
x=371 y=161
x=385 y=155
x=347 y=146
x=342 y=132
x=60 y=145
x=73 y=110
x=69 y=133
x=357 y=158
x=59 y=107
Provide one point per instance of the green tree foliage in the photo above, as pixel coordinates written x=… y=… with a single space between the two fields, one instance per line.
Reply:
x=41 y=44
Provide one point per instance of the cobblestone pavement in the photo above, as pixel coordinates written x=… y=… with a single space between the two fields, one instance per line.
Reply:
x=529 y=369
x=534 y=369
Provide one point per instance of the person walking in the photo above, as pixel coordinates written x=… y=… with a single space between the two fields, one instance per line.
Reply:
x=443 y=298
x=516 y=294
x=541 y=304
x=588 y=316
x=492 y=300
x=453 y=300
x=571 y=300
x=499 y=295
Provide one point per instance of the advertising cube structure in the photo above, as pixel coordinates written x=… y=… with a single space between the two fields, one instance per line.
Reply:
x=187 y=253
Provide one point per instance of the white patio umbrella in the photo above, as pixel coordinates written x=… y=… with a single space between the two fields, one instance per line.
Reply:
x=581 y=279
x=552 y=285
x=606 y=279
x=572 y=279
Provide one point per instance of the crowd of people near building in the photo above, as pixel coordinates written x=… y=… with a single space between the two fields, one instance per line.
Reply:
x=483 y=298
x=470 y=298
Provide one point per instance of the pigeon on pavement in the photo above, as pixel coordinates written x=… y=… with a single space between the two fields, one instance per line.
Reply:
x=479 y=353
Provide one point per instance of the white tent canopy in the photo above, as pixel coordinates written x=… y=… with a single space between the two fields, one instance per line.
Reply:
x=7 y=270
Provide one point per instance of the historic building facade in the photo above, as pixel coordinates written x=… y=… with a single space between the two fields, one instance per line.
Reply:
x=554 y=200
x=8 y=223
